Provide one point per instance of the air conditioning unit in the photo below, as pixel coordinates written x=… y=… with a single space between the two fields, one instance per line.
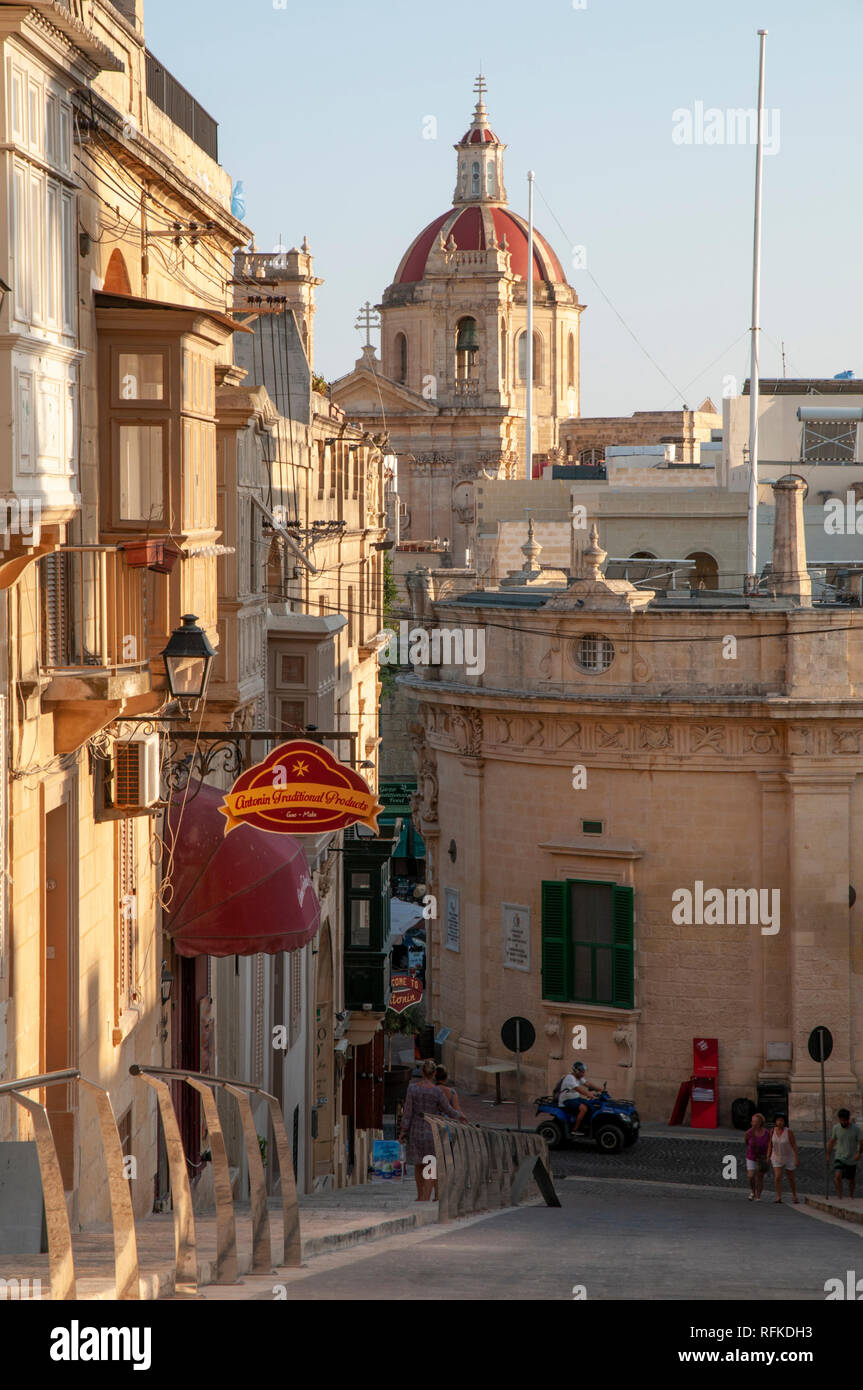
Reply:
x=135 y=781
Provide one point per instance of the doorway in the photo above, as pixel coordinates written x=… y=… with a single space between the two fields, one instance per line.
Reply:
x=324 y=1098
x=60 y=972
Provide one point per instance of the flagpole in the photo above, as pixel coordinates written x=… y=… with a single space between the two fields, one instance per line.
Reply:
x=528 y=366
x=752 y=511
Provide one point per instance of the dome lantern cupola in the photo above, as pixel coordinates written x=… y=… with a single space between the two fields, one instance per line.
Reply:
x=479 y=177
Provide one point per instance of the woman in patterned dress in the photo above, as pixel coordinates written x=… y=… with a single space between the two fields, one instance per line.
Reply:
x=423 y=1098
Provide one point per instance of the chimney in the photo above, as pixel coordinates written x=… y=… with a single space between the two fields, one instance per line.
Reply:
x=790 y=577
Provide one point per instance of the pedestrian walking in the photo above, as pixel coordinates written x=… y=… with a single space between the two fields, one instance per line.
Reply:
x=423 y=1098
x=846 y=1141
x=757 y=1144
x=782 y=1154
x=442 y=1080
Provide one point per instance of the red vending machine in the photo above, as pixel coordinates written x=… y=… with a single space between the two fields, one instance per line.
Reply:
x=704 y=1094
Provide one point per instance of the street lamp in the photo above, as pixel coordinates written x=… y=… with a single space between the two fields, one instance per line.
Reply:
x=188 y=659
x=166 y=983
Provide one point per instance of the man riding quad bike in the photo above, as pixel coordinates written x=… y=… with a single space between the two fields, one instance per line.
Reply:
x=579 y=1110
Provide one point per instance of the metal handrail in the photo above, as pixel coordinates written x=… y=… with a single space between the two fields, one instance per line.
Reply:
x=261 y=1251
x=29 y=1083
x=61 y=1261
x=476 y=1165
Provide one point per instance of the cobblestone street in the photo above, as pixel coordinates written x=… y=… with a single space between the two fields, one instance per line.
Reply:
x=681 y=1160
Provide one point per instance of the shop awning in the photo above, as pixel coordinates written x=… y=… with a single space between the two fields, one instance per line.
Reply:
x=237 y=894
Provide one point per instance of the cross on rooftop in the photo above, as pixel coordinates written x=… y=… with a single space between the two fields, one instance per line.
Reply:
x=368 y=319
x=480 y=87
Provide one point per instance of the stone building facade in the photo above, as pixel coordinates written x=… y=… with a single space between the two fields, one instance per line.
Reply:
x=136 y=437
x=618 y=752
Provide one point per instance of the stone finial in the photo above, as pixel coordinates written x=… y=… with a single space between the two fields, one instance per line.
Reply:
x=306 y=247
x=530 y=550
x=593 y=556
x=589 y=587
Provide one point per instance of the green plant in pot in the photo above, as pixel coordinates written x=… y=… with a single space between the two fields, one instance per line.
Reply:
x=406 y=1025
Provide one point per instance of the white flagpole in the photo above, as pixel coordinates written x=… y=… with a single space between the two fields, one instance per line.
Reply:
x=528 y=366
x=752 y=517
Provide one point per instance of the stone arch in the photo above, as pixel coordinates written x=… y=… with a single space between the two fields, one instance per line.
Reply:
x=706 y=572
x=401 y=357
x=467 y=348
x=521 y=357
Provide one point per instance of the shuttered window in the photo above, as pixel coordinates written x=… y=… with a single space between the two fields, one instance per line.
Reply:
x=588 y=943
x=296 y=995
x=127 y=913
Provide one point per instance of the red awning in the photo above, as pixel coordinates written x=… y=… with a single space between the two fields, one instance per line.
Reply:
x=237 y=894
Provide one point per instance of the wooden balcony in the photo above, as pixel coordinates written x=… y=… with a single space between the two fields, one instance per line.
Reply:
x=93 y=641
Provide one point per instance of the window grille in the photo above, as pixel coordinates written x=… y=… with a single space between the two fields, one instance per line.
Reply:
x=594 y=653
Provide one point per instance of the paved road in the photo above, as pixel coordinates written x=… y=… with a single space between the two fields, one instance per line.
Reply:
x=619 y=1242
x=699 y=1161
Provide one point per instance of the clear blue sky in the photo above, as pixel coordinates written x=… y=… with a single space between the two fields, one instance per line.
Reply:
x=321 y=108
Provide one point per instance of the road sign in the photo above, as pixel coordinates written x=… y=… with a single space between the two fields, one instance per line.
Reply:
x=817 y=1037
x=820 y=1046
x=518 y=1034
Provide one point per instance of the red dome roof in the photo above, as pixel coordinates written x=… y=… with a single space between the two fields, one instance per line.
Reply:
x=471 y=228
x=476 y=136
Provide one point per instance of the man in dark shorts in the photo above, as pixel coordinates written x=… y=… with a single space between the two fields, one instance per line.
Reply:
x=846 y=1141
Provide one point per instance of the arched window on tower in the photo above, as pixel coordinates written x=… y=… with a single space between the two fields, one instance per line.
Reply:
x=463 y=178
x=467 y=350
x=706 y=572
x=489 y=178
x=504 y=351
x=401 y=358
x=475 y=180
x=537 y=358
x=570 y=361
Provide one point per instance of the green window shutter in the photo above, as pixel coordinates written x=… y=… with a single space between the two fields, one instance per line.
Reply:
x=556 y=943
x=623 y=961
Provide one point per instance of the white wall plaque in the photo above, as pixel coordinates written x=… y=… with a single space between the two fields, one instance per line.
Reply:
x=516 y=936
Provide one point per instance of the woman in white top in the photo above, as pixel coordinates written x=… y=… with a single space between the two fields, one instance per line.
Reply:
x=782 y=1153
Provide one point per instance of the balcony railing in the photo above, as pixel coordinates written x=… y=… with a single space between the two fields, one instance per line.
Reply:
x=180 y=106
x=92 y=612
x=466 y=387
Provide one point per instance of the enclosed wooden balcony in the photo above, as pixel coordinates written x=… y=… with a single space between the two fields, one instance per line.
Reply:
x=93 y=652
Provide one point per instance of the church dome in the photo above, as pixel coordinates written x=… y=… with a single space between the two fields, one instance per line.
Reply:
x=480 y=219
x=478 y=227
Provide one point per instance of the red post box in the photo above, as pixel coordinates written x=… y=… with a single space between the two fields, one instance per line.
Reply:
x=704 y=1093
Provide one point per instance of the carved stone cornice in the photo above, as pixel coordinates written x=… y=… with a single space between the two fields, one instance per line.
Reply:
x=699 y=740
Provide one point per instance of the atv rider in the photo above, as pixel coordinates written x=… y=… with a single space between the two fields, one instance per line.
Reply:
x=575 y=1091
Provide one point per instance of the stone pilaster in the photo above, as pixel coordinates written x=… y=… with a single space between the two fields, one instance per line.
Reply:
x=817 y=917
